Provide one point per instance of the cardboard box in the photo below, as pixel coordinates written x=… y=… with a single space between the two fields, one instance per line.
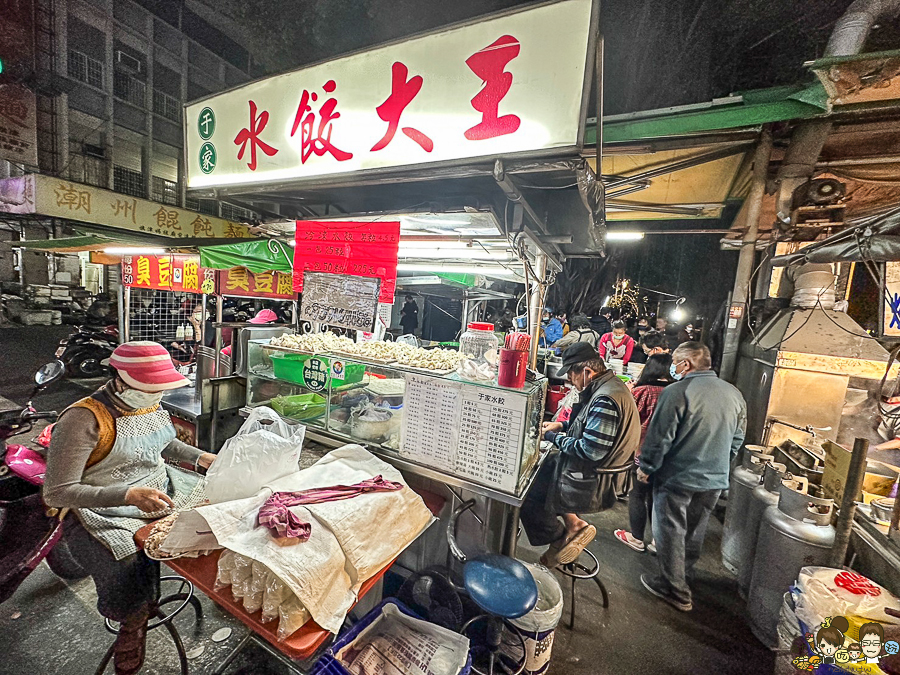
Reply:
x=878 y=480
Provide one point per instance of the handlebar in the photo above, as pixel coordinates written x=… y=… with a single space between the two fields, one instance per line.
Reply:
x=32 y=415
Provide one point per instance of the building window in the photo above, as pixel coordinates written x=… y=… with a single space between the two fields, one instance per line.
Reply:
x=129 y=89
x=128 y=182
x=162 y=190
x=167 y=106
x=209 y=207
x=85 y=69
x=236 y=213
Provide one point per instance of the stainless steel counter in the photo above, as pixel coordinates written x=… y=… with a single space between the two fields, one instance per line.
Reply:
x=184 y=402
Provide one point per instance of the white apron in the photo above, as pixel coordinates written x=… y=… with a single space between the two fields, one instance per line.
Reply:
x=136 y=461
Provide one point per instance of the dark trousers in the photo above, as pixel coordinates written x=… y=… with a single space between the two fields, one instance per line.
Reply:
x=680 y=518
x=541 y=523
x=124 y=587
x=640 y=508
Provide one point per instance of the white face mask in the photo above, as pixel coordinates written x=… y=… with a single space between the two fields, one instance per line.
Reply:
x=140 y=399
x=198 y=316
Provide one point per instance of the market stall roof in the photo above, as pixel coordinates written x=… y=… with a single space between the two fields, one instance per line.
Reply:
x=442 y=286
x=75 y=244
x=745 y=109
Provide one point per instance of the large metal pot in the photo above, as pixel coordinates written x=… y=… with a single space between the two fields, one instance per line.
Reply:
x=794 y=534
x=762 y=497
x=744 y=479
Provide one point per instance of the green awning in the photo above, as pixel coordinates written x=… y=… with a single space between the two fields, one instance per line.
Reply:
x=66 y=244
x=267 y=255
x=752 y=108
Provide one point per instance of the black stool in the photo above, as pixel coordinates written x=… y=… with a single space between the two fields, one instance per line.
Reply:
x=162 y=619
x=576 y=571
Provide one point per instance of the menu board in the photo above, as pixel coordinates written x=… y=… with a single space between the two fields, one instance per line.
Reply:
x=472 y=432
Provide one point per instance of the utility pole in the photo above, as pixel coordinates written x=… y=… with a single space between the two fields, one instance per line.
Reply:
x=737 y=311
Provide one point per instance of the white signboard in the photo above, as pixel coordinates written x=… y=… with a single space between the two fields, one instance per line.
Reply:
x=469 y=431
x=340 y=300
x=510 y=84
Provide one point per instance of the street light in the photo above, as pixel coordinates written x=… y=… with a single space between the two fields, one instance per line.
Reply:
x=624 y=235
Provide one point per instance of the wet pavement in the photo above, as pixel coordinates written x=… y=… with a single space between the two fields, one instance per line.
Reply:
x=51 y=627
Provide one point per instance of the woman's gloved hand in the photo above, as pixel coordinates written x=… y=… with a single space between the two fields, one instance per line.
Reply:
x=148 y=499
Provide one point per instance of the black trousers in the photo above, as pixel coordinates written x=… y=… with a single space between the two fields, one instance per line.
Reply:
x=640 y=508
x=124 y=587
x=541 y=522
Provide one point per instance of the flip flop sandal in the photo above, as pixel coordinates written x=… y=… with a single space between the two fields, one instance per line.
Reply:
x=575 y=544
x=623 y=536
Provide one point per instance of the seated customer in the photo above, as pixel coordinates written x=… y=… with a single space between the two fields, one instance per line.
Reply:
x=604 y=432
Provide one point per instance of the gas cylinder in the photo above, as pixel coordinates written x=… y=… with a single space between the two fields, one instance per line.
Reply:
x=744 y=479
x=762 y=497
x=794 y=534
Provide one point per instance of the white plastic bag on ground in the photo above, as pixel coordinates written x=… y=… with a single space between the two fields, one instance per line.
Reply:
x=265 y=449
x=825 y=591
x=397 y=644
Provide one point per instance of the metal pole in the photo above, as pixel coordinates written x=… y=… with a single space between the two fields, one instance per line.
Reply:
x=739 y=296
x=126 y=314
x=598 y=84
x=535 y=305
x=852 y=487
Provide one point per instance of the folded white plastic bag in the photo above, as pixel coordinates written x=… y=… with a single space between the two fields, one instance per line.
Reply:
x=265 y=449
x=189 y=535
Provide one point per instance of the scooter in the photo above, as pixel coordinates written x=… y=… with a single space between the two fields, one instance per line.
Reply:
x=29 y=533
x=84 y=350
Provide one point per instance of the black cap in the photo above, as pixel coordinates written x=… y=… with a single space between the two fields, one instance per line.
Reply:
x=580 y=352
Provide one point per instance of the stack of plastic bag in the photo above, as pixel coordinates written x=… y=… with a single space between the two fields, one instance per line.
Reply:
x=823 y=592
x=257 y=588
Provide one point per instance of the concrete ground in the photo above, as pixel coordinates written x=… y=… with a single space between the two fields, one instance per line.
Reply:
x=51 y=627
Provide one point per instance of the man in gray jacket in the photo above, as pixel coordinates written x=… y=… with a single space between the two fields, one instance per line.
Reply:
x=695 y=432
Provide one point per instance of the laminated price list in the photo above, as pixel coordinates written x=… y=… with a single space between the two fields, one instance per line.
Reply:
x=472 y=432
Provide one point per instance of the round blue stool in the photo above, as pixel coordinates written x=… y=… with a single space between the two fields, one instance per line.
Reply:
x=502 y=587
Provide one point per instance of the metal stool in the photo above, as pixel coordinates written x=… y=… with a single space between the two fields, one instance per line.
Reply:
x=576 y=572
x=503 y=588
x=163 y=619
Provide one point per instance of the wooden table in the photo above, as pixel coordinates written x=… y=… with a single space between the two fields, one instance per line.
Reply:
x=302 y=645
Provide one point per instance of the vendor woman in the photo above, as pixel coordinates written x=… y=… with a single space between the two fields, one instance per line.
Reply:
x=106 y=463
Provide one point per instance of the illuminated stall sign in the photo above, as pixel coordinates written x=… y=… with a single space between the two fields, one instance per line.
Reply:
x=504 y=85
x=240 y=282
x=167 y=273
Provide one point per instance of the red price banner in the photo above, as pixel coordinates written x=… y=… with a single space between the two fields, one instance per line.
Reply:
x=164 y=272
x=346 y=247
x=239 y=281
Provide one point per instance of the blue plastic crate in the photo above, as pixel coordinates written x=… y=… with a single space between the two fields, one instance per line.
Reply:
x=328 y=663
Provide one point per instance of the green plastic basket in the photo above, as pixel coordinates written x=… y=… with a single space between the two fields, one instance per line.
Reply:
x=290 y=367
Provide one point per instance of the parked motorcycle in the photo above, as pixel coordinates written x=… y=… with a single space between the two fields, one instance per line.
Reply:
x=28 y=532
x=83 y=352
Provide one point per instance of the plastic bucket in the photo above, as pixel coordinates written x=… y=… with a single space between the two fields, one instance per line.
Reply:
x=555 y=395
x=538 y=626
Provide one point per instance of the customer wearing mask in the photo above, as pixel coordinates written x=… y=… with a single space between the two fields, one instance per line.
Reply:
x=695 y=432
x=654 y=378
x=617 y=344
x=603 y=433
x=654 y=342
x=106 y=462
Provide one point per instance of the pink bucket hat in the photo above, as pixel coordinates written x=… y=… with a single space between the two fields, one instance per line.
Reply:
x=146 y=366
x=264 y=316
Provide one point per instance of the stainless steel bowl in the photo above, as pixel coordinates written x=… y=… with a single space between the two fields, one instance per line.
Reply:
x=883 y=509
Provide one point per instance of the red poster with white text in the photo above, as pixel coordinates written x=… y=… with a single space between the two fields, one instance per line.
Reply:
x=347 y=247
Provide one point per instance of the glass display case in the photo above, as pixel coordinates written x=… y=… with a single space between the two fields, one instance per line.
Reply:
x=471 y=432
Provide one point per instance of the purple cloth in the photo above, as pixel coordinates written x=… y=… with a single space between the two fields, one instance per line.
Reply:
x=276 y=515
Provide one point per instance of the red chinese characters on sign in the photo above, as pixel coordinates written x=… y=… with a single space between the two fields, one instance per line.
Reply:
x=250 y=135
x=359 y=249
x=490 y=65
x=403 y=91
x=239 y=281
x=166 y=272
x=317 y=140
